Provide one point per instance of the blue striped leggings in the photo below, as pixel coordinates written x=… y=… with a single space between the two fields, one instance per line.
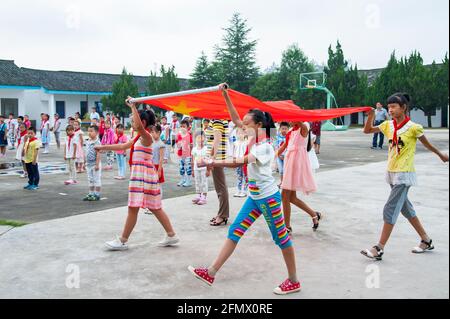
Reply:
x=185 y=166
x=270 y=207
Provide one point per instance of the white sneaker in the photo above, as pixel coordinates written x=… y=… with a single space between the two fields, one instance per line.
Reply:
x=169 y=241
x=243 y=194
x=181 y=183
x=237 y=195
x=116 y=245
x=23 y=176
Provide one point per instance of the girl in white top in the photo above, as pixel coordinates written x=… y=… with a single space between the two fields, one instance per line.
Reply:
x=264 y=199
x=201 y=174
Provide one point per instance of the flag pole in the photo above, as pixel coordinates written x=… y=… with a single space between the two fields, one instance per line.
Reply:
x=175 y=94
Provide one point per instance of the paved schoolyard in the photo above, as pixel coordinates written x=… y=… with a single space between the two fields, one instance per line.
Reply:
x=65 y=258
x=54 y=200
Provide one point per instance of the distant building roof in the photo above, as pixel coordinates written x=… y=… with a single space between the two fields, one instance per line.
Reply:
x=68 y=81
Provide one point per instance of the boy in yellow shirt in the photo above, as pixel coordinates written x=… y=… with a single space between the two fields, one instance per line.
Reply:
x=30 y=153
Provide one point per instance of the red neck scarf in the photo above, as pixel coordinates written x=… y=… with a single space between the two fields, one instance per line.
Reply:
x=77 y=130
x=22 y=134
x=119 y=136
x=31 y=140
x=44 y=122
x=70 y=139
x=398 y=127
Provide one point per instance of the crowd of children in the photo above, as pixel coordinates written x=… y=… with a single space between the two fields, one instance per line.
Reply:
x=255 y=143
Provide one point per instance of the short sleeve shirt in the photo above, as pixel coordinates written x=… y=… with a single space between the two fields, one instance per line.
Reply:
x=262 y=184
x=402 y=161
x=91 y=152
x=30 y=150
x=222 y=128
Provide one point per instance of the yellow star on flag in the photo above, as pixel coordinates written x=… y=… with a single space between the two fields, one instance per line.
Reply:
x=183 y=108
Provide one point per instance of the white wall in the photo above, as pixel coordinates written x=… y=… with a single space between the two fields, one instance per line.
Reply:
x=13 y=94
x=419 y=117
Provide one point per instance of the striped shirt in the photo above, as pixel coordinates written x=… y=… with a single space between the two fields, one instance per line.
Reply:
x=222 y=127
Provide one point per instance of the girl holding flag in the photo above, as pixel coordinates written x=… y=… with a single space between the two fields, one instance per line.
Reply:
x=144 y=188
x=402 y=134
x=264 y=199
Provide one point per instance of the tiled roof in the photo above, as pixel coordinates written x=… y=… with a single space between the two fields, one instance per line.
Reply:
x=12 y=75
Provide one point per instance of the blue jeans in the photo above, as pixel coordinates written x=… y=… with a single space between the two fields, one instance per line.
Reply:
x=376 y=135
x=121 y=162
x=185 y=166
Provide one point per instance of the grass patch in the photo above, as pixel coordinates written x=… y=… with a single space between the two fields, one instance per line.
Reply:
x=12 y=223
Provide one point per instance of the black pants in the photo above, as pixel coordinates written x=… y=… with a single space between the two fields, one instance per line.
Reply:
x=33 y=174
x=375 y=142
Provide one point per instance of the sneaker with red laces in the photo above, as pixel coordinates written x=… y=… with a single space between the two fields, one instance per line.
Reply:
x=202 y=274
x=287 y=287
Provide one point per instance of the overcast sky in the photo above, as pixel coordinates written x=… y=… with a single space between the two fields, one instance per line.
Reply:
x=105 y=35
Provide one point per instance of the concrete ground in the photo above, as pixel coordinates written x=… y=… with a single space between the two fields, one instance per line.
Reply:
x=54 y=200
x=43 y=260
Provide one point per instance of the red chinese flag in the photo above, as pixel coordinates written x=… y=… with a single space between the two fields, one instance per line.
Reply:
x=209 y=103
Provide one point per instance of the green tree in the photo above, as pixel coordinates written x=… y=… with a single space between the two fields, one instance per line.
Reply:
x=268 y=87
x=166 y=82
x=123 y=88
x=205 y=74
x=283 y=82
x=235 y=57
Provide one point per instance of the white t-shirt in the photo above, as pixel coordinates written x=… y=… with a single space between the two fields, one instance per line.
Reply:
x=261 y=182
x=95 y=115
x=57 y=126
x=71 y=146
x=199 y=154
x=12 y=126
x=239 y=149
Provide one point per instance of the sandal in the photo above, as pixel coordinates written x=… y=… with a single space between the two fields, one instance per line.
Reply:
x=319 y=218
x=216 y=224
x=369 y=254
x=420 y=250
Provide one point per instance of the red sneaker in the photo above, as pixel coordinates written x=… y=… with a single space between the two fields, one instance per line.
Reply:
x=202 y=274
x=287 y=287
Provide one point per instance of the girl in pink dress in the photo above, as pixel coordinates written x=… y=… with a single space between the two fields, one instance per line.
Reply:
x=144 y=189
x=298 y=175
x=109 y=138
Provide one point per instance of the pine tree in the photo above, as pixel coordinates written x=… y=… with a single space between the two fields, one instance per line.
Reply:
x=236 y=62
x=123 y=88
x=204 y=74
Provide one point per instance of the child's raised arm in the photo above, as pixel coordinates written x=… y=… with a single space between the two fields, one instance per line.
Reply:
x=145 y=135
x=231 y=109
x=432 y=148
x=368 y=127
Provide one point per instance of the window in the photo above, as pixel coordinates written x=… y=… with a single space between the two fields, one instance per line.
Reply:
x=99 y=107
x=83 y=108
x=9 y=106
x=61 y=109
